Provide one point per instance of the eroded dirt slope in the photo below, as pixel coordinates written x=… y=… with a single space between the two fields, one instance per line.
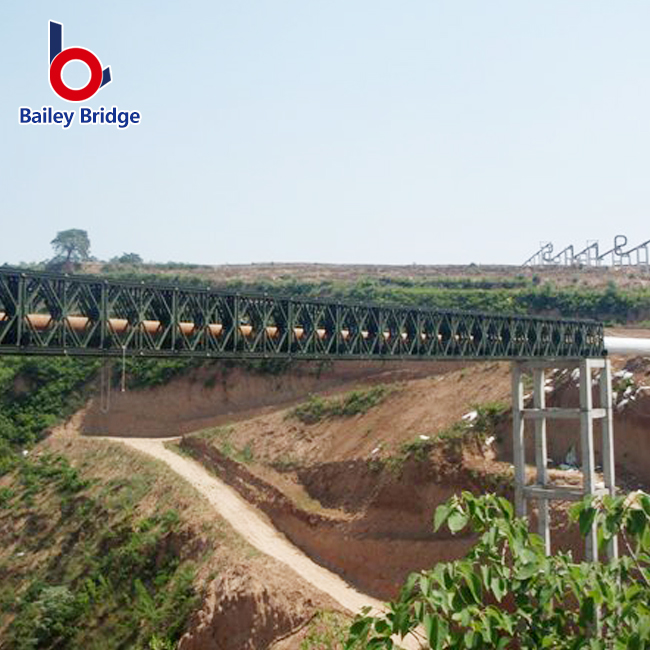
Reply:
x=219 y=393
x=358 y=492
x=113 y=518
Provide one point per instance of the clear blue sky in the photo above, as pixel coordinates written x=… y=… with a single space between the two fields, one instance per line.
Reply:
x=339 y=131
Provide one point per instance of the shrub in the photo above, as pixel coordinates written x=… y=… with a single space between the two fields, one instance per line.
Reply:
x=506 y=593
x=49 y=620
x=353 y=403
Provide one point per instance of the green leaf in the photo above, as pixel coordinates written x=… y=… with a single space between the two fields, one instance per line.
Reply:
x=486 y=575
x=442 y=512
x=470 y=639
x=457 y=521
x=526 y=571
x=586 y=520
x=436 y=631
x=644 y=501
x=498 y=587
x=587 y=612
x=637 y=522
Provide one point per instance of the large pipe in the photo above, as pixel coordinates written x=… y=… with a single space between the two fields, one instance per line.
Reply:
x=627 y=346
x=41 y=322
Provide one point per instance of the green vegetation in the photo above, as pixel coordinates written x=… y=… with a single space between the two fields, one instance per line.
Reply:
x=37 y=393
x=221 y=438
x=148 y=373
x=512 y=295
x=488 y=416
x=506 y=593
x=611 y=304
x=101 y=573
x=70 y=248
x=352 y=403
x=127 y=258
x=326 y=631
x=520 y=294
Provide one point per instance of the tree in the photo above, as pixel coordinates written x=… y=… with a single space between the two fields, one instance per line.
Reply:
x=71 y=246
x=508 y=594
x=127 y=258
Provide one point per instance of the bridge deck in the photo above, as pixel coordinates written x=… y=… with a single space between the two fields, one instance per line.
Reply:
x=55 y=314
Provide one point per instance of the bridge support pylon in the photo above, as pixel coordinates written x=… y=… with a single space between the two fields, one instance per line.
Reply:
x=534 y=484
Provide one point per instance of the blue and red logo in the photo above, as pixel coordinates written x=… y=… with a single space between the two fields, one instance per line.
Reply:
x=99 y=77
x=59 y=57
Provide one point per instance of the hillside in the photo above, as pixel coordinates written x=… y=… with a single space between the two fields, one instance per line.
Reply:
x=615 y=295
x=353 y=473
x=106 y=548
x=103 y=547
x=449 y=275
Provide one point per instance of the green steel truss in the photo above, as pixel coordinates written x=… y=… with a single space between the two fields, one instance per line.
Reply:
x=45 y=313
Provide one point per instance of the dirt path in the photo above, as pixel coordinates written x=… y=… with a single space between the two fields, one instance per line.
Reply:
x=260 y=534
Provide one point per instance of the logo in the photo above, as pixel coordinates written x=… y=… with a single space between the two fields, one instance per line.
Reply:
x=99 y=77
x=59 y=57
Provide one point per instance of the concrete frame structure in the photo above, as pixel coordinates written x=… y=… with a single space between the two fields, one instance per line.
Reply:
x=541 y=490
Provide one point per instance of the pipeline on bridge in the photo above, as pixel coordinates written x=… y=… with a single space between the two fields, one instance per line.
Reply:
x=46 y=313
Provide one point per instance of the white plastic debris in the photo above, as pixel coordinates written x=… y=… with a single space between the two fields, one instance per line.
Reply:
x=624 y=374
x=423 y=437
x=489 y=440
x=25 y=452
x=376 y=450
x=470 y=417
x=575 y=374
x=549 y=389
x=628 y=391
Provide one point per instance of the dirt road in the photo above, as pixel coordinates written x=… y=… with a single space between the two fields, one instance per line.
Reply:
x=252 y=527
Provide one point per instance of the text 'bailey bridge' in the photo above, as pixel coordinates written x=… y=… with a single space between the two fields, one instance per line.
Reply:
x=54 y=314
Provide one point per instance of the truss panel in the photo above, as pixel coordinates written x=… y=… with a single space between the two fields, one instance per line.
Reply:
x=46 y=313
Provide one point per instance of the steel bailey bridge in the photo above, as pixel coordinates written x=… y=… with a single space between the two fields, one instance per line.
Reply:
x=58 y=314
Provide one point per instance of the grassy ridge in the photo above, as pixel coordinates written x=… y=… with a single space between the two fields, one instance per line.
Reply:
x=101 y=552
x=353 y=403
x=517 y=295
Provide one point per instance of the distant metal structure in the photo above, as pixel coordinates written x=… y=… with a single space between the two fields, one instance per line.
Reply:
x=638 y=256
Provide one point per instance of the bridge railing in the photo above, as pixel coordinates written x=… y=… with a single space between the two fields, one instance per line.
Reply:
x=46 y=313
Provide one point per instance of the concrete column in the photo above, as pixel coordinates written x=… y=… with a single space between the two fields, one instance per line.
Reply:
x=605 y=389
x=541 y=457
x=518 y=439
x=587 y=450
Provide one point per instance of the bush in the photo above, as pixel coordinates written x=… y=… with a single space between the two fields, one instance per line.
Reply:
x=353 y=403
x=38 y=393
x=508 y=594
x=49 y=620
